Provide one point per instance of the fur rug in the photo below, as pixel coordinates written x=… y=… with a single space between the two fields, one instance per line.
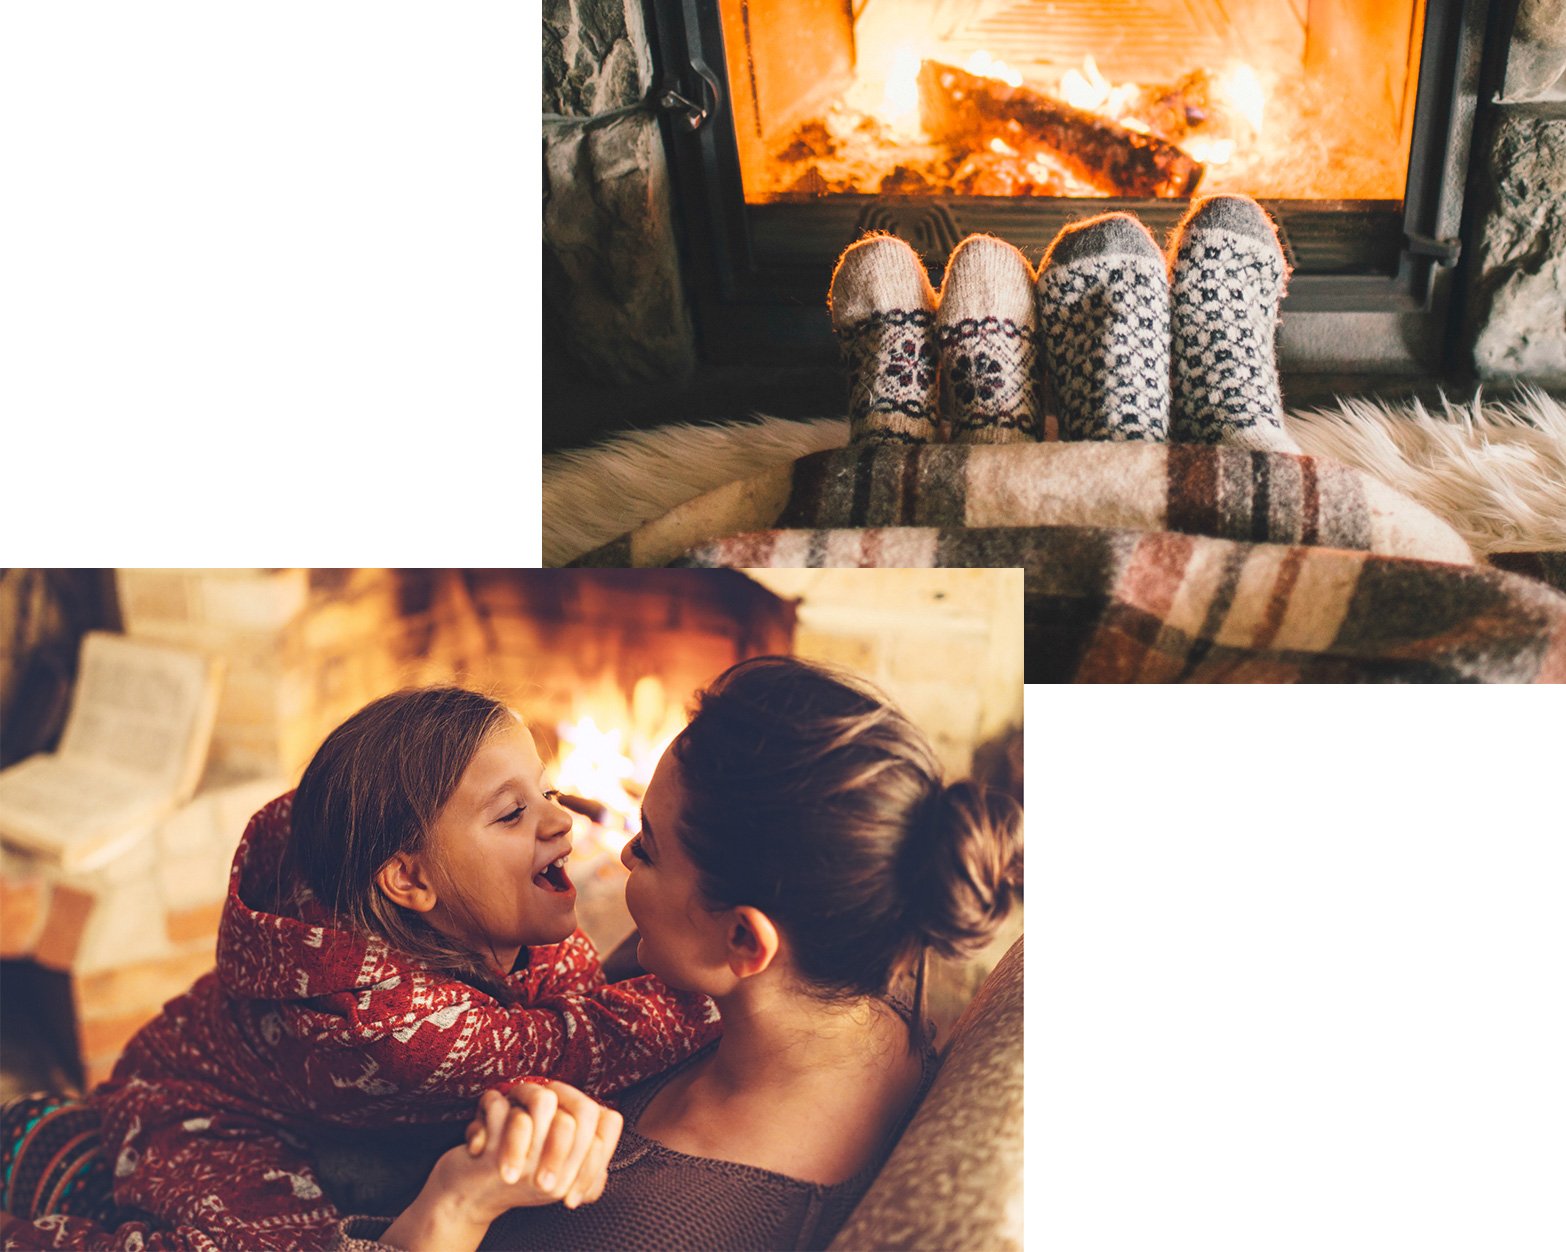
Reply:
x=1495 y=471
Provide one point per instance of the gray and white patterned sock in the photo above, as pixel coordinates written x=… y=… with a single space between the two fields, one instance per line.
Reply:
x=1228 y=275
x=1103 y=301
x=883 y=310
x=985 y=328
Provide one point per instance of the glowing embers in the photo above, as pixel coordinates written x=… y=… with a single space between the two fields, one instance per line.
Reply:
x=897 y=131
x=1268 y=127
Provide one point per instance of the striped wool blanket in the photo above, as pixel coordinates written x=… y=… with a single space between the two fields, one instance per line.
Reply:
x=1117 y=605
x=1228 y=493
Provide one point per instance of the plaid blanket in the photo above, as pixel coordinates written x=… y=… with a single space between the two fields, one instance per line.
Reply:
x=1226 y=493
x=1117 y=605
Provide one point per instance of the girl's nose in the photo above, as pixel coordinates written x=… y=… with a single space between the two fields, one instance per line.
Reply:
x=627 y=859
x=556 y=820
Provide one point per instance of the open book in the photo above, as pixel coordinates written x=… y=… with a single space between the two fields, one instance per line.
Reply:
x=133 y=751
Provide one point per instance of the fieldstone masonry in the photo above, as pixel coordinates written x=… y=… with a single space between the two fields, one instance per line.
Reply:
x=1536 y=64
x=1519 y=293
x=611 y=277
x=1517 y=299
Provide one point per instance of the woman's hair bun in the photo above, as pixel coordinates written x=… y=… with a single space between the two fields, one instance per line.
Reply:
x=963 y=868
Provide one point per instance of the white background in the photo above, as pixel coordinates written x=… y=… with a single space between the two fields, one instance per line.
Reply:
x=1296 y=969
x=269 y=282
x=269 y=296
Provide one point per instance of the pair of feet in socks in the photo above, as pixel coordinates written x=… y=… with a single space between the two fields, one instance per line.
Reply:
x=1131 y=345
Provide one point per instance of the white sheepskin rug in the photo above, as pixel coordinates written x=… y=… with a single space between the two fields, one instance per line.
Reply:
x=1494 y=470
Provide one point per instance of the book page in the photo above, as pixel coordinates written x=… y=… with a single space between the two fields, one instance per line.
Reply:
x=133 y=750
x=67 y=810
x=140 y=707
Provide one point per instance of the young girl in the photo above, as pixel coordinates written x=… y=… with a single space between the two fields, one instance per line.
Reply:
x=798 y=852
x=399 y=937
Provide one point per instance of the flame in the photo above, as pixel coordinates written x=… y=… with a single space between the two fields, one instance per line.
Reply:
x=1088 y=89
x=985 y=66
x=595 y=768
x=1244 y=91
x=610 y=766
x=1211 y=151
x=900 y=96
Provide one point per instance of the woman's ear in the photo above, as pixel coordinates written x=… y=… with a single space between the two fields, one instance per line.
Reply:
x=753 y=941
x=402 y=881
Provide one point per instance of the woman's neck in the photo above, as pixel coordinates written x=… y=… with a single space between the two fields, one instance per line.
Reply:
x=783 y=1057
x=778 y=1036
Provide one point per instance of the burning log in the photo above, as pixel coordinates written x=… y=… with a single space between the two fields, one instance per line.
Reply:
x=959 y=108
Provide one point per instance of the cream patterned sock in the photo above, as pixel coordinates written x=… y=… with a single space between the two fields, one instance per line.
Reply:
x=883 y=311
x=1103 y=301
x=1228 y=276
x=985 y=328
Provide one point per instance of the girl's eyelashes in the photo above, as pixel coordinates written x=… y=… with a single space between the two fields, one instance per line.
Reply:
x=638 y=851
x=552 y=794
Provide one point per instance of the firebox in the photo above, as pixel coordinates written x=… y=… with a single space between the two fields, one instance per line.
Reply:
x=795 y=126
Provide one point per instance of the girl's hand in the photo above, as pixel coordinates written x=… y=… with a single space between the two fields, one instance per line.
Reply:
x=545 y=1144
x=553 y=1139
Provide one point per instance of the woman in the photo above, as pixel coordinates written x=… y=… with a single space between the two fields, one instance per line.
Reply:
x=799 y=853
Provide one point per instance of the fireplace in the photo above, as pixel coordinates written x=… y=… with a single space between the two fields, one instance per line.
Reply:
x=793 y=128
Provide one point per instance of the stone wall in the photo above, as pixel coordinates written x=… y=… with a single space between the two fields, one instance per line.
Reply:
x=613 y=300
x=1536 y=64
x=1517 y=291
x=1518 y=297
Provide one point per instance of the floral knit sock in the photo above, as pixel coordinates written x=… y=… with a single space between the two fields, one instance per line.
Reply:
x=985 y=327
x=1103 y=298
x=1228 y=276
x=883 y=311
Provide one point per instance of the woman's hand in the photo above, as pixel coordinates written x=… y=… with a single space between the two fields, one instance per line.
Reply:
x=543 y=1145
x=556 y=1138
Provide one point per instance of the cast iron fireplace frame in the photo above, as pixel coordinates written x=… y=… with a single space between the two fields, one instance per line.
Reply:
x=1372 y=289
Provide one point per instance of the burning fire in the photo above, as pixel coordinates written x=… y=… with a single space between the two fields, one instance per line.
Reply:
x=1250 y=125
x=1244 y=91
x=982 y=64
x=1089 y=90
x=595 y=768
x=611 y=768
x=900 y=97
x=898 y=105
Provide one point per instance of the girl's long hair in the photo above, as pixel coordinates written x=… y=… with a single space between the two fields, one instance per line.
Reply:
x=373 y=789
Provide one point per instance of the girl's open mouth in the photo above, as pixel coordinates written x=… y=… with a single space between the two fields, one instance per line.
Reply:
x=554 y=877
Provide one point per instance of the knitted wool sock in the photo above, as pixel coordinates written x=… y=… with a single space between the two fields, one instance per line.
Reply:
x=1228 y=276
x=985 y=327
x=1103 y=299
x=883 y=311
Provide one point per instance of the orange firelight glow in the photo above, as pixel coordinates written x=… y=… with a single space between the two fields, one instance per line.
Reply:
x=613 y=766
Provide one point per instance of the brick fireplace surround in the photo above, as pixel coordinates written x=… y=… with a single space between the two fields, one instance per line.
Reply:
x=623 y=341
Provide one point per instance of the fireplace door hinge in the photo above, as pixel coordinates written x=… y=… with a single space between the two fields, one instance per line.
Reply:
x=1445 y=251
x=691 y=105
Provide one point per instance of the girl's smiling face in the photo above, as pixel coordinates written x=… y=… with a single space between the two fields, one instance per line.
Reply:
x=682 y=941
x=496 y=854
